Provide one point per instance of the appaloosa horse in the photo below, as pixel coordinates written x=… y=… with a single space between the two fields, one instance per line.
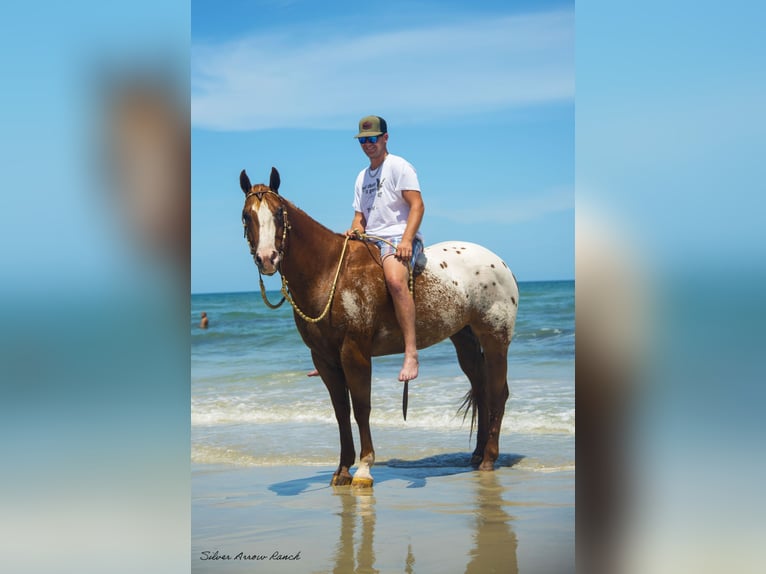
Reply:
x=345 y=315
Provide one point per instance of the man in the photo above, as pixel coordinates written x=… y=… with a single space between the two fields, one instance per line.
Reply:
x=388 y=204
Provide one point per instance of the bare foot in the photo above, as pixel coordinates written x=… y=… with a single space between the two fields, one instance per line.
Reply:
x=409 y=368
x=314 y=373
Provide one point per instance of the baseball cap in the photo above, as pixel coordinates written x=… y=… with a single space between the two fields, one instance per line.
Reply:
x=371 y=126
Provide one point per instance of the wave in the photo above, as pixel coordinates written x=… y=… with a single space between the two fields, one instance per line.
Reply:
x=220 y=455
x=530 y=421
x=207 y=454
x=545 y=468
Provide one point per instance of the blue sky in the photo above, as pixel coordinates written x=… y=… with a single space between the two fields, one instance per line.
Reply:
x=480 y=99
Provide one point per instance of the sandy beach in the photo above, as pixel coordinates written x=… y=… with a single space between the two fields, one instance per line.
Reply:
x=429 y=515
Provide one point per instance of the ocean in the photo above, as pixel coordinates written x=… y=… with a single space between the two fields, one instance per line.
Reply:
x=253 y=405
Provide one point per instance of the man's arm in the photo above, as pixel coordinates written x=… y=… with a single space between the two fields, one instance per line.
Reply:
x=358 y=224
x=417 y=209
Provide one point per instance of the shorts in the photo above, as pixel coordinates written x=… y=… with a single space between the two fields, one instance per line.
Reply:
x=386 y=249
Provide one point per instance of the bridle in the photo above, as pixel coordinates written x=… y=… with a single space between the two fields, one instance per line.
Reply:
x=282 y=247
x=285 y=223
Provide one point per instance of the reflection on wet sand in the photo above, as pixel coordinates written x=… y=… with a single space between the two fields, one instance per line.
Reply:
x=358 y=505
x=494 y=541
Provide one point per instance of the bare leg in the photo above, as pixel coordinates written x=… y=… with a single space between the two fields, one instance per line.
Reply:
x=397 y=281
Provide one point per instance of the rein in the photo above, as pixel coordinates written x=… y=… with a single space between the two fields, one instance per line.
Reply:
x=285 y=290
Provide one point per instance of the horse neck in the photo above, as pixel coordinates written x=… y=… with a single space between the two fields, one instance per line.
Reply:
x=312 y=252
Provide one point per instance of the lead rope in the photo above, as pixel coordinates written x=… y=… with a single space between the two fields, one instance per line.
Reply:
x=269 y=304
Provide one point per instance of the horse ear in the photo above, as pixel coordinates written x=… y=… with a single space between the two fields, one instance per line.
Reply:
x=274 y=180
x=244 y=182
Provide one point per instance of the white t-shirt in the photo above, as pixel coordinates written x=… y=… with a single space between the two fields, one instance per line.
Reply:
x=378 y=196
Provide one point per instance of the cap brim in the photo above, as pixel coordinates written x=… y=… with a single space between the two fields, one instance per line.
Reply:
x=367 y=134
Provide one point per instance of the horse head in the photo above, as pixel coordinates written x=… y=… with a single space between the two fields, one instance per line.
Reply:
x=264 y=217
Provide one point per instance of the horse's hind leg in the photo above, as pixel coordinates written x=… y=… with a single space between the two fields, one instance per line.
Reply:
x=335 y=382
x=471 y=360
x=496 y=394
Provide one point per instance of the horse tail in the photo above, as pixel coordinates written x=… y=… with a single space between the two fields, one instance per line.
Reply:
x=469 y=403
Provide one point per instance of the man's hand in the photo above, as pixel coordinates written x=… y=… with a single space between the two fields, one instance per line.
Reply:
x=404 y=251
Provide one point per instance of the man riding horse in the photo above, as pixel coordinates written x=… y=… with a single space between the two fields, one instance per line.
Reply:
x=389 y=206
x=465 y=293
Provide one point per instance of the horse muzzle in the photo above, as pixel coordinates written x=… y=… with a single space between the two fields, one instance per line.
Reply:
x=268 y=263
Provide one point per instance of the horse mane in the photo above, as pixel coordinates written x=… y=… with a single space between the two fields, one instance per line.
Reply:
x=292 y=208
x=274 y=182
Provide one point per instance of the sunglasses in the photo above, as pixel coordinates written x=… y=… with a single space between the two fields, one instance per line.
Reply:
x=371 y=139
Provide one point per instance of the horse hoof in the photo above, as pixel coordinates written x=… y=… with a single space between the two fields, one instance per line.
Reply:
x=361 y=482
x=476 y=460
x=340 y=480
x=487 y=465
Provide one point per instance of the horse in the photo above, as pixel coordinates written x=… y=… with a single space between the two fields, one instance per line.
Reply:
x=345 y=315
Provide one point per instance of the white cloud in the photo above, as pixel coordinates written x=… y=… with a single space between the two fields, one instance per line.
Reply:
x=275 y=81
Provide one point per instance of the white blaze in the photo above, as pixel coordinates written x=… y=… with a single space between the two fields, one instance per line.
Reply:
x=266 y=233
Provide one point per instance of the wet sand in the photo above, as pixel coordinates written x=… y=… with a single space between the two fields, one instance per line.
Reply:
x=430 y=515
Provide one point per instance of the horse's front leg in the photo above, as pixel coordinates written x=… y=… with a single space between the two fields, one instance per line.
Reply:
x=357 y=367
x=333 y=378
